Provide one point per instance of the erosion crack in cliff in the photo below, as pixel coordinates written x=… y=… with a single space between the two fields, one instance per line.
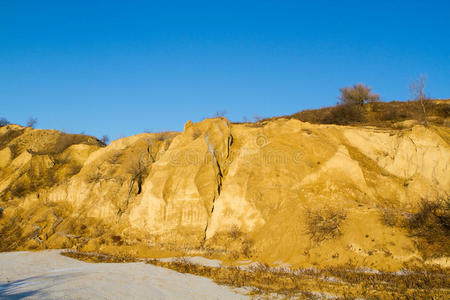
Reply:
x=219 y=178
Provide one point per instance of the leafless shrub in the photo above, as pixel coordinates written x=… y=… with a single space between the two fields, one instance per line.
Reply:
x=94 y=176
x=114 y=157
x=220 y=114
x=117 y=239
x=10 y=234
x=235 y=232
x=389 y=217
x=74 y=169
x=59 y=159
x=184 y=265
x=417 y=89
x=36 y=178
x=163 y=136
x=137 y=169
x=4 y=122
x=196 y=134
x=432 y=220
x=429 y=225
x=7 y=137
x=260 y=267
x=15 y=150
x=19 y=189
x=246 y=248
x=31 y=122
x=137 y=166
x=257 y=118
x=324 y=224
x=105 y=139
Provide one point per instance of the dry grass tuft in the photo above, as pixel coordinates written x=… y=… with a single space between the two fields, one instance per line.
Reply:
x=324 y=224
x=197 y=133
x=19 y=189
x=117 y=240
x=15 y=150
x=163 y=136
x=232 y=243
x=389 y=217
x=114 y=158
x=65 y=140
x=235 y=232
x=98 y=257
x=431 y=225
x=10 y=234
x=7 y=137
x=94 y=177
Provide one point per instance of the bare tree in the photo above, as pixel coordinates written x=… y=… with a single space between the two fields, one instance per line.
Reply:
x=257 y=118
x=105 y=139
x=357 y=94
x=220 y=113
x=31 y=122
x=3 y=122
x=417 y=90
x=136 y=168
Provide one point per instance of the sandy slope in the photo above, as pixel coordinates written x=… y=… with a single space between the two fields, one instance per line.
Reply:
x=46 y=274
x=280 y=191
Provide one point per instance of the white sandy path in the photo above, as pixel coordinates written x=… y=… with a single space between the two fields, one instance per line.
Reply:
x=49 y=275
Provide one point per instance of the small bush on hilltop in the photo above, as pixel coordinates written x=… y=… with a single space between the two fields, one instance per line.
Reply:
x=357 y=94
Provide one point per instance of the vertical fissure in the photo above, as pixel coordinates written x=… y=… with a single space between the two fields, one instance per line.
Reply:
x=219 y=179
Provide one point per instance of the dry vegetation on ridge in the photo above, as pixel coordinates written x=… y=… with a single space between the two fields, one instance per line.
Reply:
x=380 y=114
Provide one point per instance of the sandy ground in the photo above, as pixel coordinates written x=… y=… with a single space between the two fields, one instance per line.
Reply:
x=49 y=275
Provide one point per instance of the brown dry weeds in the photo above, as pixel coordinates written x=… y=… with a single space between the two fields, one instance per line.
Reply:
x=343 y=282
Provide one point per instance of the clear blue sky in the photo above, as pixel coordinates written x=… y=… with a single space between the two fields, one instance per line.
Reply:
x=122 y=67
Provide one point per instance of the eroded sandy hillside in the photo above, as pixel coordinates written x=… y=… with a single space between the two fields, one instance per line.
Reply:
x=280 y=191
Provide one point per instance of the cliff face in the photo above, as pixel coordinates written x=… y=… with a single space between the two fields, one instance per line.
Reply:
x=282 y=191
